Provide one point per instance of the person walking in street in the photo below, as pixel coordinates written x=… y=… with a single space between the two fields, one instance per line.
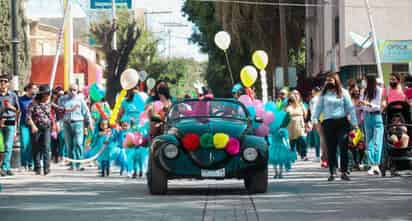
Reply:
x=26 y=156
x=39 y=117
x=76 y=116
x=297 y=114
x=371 y=104
x=313 y=135
x=336 y=106
x=394 y=92
x=9 y=106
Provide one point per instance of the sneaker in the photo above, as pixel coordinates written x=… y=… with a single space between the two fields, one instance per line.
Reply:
x=134 y=175
x=280 y=176
x=331 y=178
x=9 y=173
x=345 y=177
x=70 y=168
x=2 y=173
x=324 y=164
x=80 y=169
x=371 y=172
x=46 y=172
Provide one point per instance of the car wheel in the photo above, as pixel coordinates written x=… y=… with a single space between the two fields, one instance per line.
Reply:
x=257 y=182
x=156 y=178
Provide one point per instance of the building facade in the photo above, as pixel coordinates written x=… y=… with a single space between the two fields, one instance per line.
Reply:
x=331 y=45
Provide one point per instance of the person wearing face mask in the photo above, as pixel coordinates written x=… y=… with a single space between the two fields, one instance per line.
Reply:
x=76 y=115
x=371 y=104
x=336 y=106
x=394 y=92
x=296 y=128
x=357 y=153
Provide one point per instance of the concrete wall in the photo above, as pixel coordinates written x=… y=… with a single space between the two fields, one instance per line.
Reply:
x=393 y=21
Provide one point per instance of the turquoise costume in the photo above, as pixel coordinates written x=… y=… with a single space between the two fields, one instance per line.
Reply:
x=280 y=153
x=106 y=140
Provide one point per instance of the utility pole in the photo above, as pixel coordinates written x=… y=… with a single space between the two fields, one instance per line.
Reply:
x=375 y=40
x=283 y=42
x=169 y=32
x=15 y=42
x=114 y=24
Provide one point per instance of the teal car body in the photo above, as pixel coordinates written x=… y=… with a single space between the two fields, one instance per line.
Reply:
x=225 y=116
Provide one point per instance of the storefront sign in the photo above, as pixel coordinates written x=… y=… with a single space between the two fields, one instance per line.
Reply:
x=106 y=4
x=396 y=51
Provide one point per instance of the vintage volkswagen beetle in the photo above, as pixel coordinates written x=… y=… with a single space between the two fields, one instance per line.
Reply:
x=208 y=139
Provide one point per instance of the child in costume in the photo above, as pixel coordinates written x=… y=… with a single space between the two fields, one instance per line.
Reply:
x=281 y=155
x=105 y=138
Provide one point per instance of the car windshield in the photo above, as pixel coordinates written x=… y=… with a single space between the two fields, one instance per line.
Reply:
x=207 y=109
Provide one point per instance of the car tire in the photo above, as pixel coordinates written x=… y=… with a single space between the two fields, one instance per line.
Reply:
x=257 y=182
x=156 y=178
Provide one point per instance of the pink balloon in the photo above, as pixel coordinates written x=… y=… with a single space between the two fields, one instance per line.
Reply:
x=262 y=131
x=246 y=100
x=128 y=141
x=233 y=146
x=258 y=104
x=268 y=118
x=260 y=112
x=137 y=139
x=158 y=106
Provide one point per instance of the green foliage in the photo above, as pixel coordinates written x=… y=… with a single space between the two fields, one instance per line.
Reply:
x=297 y=57
x=5 y=40
x=251 y=28
x=128 y=32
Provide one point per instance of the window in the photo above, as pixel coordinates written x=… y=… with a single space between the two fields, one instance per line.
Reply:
x=400 y=68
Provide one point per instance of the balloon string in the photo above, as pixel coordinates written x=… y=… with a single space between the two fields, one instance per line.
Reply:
x=230 y=69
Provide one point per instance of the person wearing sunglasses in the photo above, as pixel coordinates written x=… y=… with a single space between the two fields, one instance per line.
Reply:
x=9 y=106
x=76 y=116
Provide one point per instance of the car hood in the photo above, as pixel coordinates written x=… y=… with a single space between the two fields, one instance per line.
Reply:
x=233 y=128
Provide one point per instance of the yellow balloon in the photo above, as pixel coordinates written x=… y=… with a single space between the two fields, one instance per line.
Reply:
x=220 y=140
x=117 y=106
x=248 y=75
x=260 y=59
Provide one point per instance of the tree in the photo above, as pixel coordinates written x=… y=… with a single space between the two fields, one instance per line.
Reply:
x=252 y=27
x=128 y=32
x=5 y=41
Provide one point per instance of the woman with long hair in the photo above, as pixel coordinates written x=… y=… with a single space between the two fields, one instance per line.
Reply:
x=336 y=106
x=297 y=114
x=371 y=103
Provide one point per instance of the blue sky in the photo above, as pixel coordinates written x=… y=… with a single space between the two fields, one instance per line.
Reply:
x=180 y=47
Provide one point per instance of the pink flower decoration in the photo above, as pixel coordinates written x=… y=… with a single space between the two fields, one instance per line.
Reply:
x=233 y=146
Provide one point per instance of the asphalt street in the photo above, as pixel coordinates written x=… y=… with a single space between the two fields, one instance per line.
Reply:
x=304 y=194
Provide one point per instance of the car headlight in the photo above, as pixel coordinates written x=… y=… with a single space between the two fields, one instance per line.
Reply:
x=170 y=151
x=250 y=154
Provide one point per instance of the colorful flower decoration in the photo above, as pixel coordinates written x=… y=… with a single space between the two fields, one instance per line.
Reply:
x=128 y=141
x=191 y=141
x=206 y=141
x=220 y=140
x=233 y=146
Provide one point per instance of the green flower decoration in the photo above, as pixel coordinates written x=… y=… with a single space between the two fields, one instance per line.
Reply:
x=206 y=141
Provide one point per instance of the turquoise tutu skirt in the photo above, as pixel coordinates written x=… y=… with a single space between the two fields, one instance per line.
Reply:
x=280 y=153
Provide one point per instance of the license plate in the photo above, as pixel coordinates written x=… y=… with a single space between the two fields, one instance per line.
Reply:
x=213 y=173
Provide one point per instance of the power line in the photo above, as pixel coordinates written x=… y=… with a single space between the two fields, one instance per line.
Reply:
x=325 y=4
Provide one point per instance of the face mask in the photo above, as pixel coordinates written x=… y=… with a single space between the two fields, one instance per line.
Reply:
x=355 y=95
x=393 y=84
x=330 y=86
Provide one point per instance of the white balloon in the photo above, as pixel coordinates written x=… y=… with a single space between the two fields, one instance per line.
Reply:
x=129 y=79
x=150 y=83
x=222 y=40
x=143 y=75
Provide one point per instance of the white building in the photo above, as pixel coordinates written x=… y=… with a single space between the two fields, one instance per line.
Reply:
x=331 y=47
